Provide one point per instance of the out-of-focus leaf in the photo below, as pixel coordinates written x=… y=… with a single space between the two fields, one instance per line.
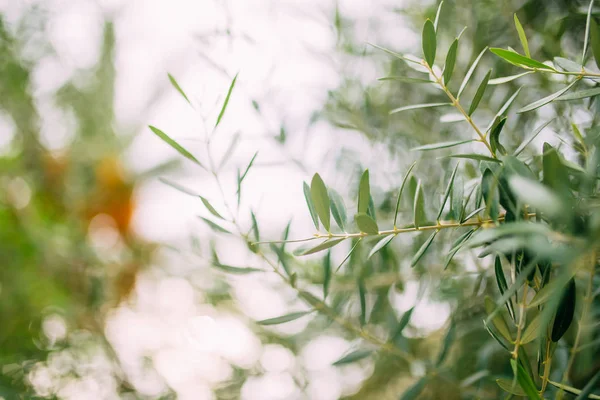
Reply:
x=175 y=145
x=338 y=209
x=364 y=192
x=178 y=187
x=519 y=60
x=380 y=245
x=489 y=191
x=586 y=393
x=476 y=157
x=532 y=331
x=465 y=81
x=419 y=207
x=495 y=136
x=423 y=249
x=353 y=356
x=495 y=336
x=498 y=320
x=320 y=247
x=211 y=209
x=241 y=179
x=235 y=270
x=441 y=145
x=232 y=145
x=506 y=79
x=511 y=387
x=320 y=199
x=582 y=94
x=536 y=195
x=567 y=65
x=450 y=61
x=447 y=192
x=226 y=102
x=215 y=227
x=284 y=318
x=536 y=132
x=515 y=228
x=404 y=180
x=548 y=291
x=522 y=36
x=588 y=21
x=413 y=392
x=542 y=102
x=446 y=344
x=362 y=294
x=348 y=255
x=429 y=42
x=311 y=206
x=255 y=226
x=479 y=94
x=178 y=88
x=418 y=106
x=326 y=274
x=565 y=312
x=402 y=324
x=404 y=79
x=366 y=224
x=456 y=199
x=457 y=246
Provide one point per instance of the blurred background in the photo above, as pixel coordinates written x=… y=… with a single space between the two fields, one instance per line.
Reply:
x=107 y=288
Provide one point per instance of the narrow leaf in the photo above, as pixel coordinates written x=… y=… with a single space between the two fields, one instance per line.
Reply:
x=348 y=255
x=354 y=356
x=320 y=198
x=404 y=180
x=567 y=65
x=222 y=112
x=283 y=318
x=320 y=247
x=404 y=79
x=505 y=79
x=479 y=94
x=364 y=192
x=174 y=145
x=437 y=16
x=424 y=247
x=495 y=136
x=338 y=209
x=419 y=207
x=441 y=145
x=402 y=324
x=519 y=60
x=589 y=387
x=429 y=42
x=366 y=224
x=525 y=382
x=178 y=187
x=235 y=270
x=413 y=392
x=447 y=192
x=178 y=88
x=446 y=344
x=476 y=157
x=311 y=206
x=418 y=106
x=535 y=133
x=497 y=320
x=595 y=40
x=457 y=246
x=450 y=61
x=582 y=94
x=363 y=301
x=210 y=208
x=502 y=285
x=380 y=245
x=511 y=387
x=522 y=36
x=465 y=81
x=215 y=227
x=326 y=274
x=490 y=193
x=542 y=102
x=247 y=169
x=565 y=312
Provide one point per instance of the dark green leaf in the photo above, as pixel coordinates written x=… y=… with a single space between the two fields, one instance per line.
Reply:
x=450 y=61
x=178 y=88
x=522 y=36
x=255 y=226
x=354 y=356
x=326 y=274
x=413 y=392
x=465 y=81
x=283 y=318
x=582 y=94
x=429 y=42
x=320 y=198
x=519 y=60
x=418 y=106
x=424 y=247
x=380 y=245
x=338 y=209
x=542 y=102
x=364 y=192
x=479 y=94
x=595 y=40
x=495 y=136
x=490 y=194
x=214 y=226
x=366 y=224
x=502 y=285
x=565 y=312
x=311 y=206
x=456 y=199
x=362 y=290
x=222 y=112
x=447 y=192
x=404 y=180
x=320 y=247
x=174 y=145
x=441 y=145
x=419 y=207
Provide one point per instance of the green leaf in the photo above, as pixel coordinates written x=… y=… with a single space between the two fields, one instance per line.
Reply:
x=450 y=61
x=215 y=227
x=505 y=79
x=582 y=94
x=456 y=199
x=380 y=245
x=532 y=331
x=175 y=145
x=311 y=206
x=519 y=60
x=247 y=169
x=348 y=255
x=235 y=270
x=595 y=40
x=178 y=187
x=413 y=392
x=338 y=209
x=476 y=157
x=465 y=81
x=511 y=387
x=320 y=247
x=514 y=228
x=418 y=106
x=495 y=336
x=404 y=180
x=479 y=94
x=423 y=249
x=284 y=318
x=419 y=207
x=457 y=246
x=363 y=301
x=178 y=88
x=490 y=194
x=404 y=79
x=587 y=390
x=429 y=42
x=326 y=274
x=567 y=65
x=364 y=192
x=402 y=324
x=441 y=145
x=255 y=226
x=535 y=133
x=542 y=102
x=497 y=320
x=366 y=224
x=446 y=344
x=502 y=285
x=222 y=112
x=447 y=192
x=525 y=381
x=522 y=36
x=565 y=312
x=587 y=32
x=437 y=16
x=549 y=291
x=210 y=208
x=536 y=195
x=495 y=136
x=353 y=356
x=320 y=198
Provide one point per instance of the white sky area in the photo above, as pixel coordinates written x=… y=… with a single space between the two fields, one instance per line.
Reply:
x=284 y=51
